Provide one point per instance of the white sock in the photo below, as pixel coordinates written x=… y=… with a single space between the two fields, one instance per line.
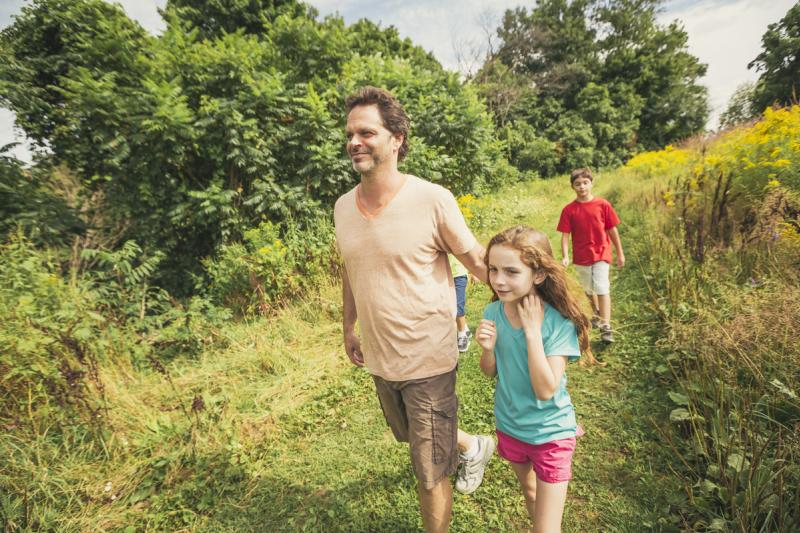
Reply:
x=473 y=450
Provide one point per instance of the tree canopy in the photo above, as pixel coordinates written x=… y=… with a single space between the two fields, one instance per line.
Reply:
x=779 y=62
x=597 y=78
x=232 y=116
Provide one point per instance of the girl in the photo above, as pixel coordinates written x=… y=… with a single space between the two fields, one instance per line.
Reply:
x=529 y=331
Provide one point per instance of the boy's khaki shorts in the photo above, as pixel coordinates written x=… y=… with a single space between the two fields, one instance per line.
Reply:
x=594 y=278
x=423 y=412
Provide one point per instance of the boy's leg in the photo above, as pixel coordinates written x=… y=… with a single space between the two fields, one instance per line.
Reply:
x=527 y=480
x=605 y=308
x=594 y=303
x=550 y=500
x=461 y=323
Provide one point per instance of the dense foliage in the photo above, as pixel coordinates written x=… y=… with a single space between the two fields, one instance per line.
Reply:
x=722 y=265
x=589 y=82
x=779 y=62
x=233 y=115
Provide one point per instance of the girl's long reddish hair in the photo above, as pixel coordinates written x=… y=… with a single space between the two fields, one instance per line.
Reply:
x=535 y=252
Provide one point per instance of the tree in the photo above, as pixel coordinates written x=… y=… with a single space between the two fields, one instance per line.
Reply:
x=624 y=80
x=740 y=106
x=213 y=18
x=779 y=62
x=232 y=116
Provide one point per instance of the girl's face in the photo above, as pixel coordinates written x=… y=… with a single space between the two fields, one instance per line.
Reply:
x=510 y=278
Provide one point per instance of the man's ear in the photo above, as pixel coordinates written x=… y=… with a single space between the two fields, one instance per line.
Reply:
x=398 y=141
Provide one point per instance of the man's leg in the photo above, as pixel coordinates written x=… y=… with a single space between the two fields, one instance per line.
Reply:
x=475 y=453
x=465 y=441
x=436 y=505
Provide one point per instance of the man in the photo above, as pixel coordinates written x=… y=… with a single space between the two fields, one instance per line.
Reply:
x=394 y=232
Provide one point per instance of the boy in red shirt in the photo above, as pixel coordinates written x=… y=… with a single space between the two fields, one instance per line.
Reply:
x=593 y=225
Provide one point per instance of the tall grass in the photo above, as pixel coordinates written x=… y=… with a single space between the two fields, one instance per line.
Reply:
x=721 y=257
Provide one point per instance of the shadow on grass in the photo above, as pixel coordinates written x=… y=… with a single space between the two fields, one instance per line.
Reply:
x=280 y=504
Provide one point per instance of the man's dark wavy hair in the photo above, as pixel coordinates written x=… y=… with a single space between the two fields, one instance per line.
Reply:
x=394 y=117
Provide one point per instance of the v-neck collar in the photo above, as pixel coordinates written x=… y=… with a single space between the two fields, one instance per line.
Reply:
x=370 y=216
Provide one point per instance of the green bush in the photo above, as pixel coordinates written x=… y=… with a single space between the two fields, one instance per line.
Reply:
x=273 y=264
x=58 y=331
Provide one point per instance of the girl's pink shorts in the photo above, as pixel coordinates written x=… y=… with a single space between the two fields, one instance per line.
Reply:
x=552 y=461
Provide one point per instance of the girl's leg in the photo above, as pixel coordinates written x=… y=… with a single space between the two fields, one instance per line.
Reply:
x=550 y=501
x=527 y=480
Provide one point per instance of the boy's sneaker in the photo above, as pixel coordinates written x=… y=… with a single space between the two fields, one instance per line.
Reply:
x=464 y=340
x=596 y=321
x=470 y=473
x=606 y=333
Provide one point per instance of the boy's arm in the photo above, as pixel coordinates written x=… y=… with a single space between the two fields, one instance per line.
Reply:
x=565 y=249
x=614 y=235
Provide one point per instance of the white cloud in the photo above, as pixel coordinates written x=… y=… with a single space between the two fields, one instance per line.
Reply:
x=726 y=35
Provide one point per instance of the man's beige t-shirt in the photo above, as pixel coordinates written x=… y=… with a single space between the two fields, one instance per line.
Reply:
x=396 y=263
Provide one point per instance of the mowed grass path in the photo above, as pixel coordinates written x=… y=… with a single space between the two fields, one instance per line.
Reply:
x=292 y=437
x=331 y=464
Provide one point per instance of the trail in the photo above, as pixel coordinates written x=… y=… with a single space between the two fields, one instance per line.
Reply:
x=333 y=465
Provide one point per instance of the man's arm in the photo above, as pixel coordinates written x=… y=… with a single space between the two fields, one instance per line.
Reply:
x=473 y=261
x=565 y=249
x=352 y=344
x=614 y=235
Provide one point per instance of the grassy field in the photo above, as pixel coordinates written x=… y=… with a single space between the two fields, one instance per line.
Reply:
x=288 y=436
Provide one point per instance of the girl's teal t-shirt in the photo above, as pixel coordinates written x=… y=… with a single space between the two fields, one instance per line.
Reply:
x=516 y=409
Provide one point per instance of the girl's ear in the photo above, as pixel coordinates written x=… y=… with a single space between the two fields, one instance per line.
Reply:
x=539 y=277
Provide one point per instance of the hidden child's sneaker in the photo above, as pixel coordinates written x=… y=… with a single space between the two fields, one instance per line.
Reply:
x=464 y=340
x=470 y=473
x=606 y=333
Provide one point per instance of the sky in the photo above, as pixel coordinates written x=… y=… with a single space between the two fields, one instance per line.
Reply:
x=724 y=34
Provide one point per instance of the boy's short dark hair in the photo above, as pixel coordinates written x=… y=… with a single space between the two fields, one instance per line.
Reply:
x=394 y=117
x=582 y=172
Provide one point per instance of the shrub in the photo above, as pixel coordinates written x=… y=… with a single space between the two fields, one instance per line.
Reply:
x=273 y=263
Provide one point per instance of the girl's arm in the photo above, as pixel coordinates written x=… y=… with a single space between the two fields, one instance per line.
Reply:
x=486 y=335
x=545 y=372
x=615 y=240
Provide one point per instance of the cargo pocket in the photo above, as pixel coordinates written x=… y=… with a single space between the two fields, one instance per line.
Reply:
x=445 y=429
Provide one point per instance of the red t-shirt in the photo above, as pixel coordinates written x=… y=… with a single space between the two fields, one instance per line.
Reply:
x=588 y=222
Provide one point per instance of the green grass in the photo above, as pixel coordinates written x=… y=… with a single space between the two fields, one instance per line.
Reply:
x=292 y=437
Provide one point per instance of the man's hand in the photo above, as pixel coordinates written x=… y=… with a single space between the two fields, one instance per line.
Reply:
x=352 y=346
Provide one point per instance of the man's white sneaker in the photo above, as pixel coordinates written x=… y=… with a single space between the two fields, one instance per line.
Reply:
x=470 y=473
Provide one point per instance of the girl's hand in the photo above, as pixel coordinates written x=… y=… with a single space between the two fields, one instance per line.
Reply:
x=486 y=335
x=531 y=313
